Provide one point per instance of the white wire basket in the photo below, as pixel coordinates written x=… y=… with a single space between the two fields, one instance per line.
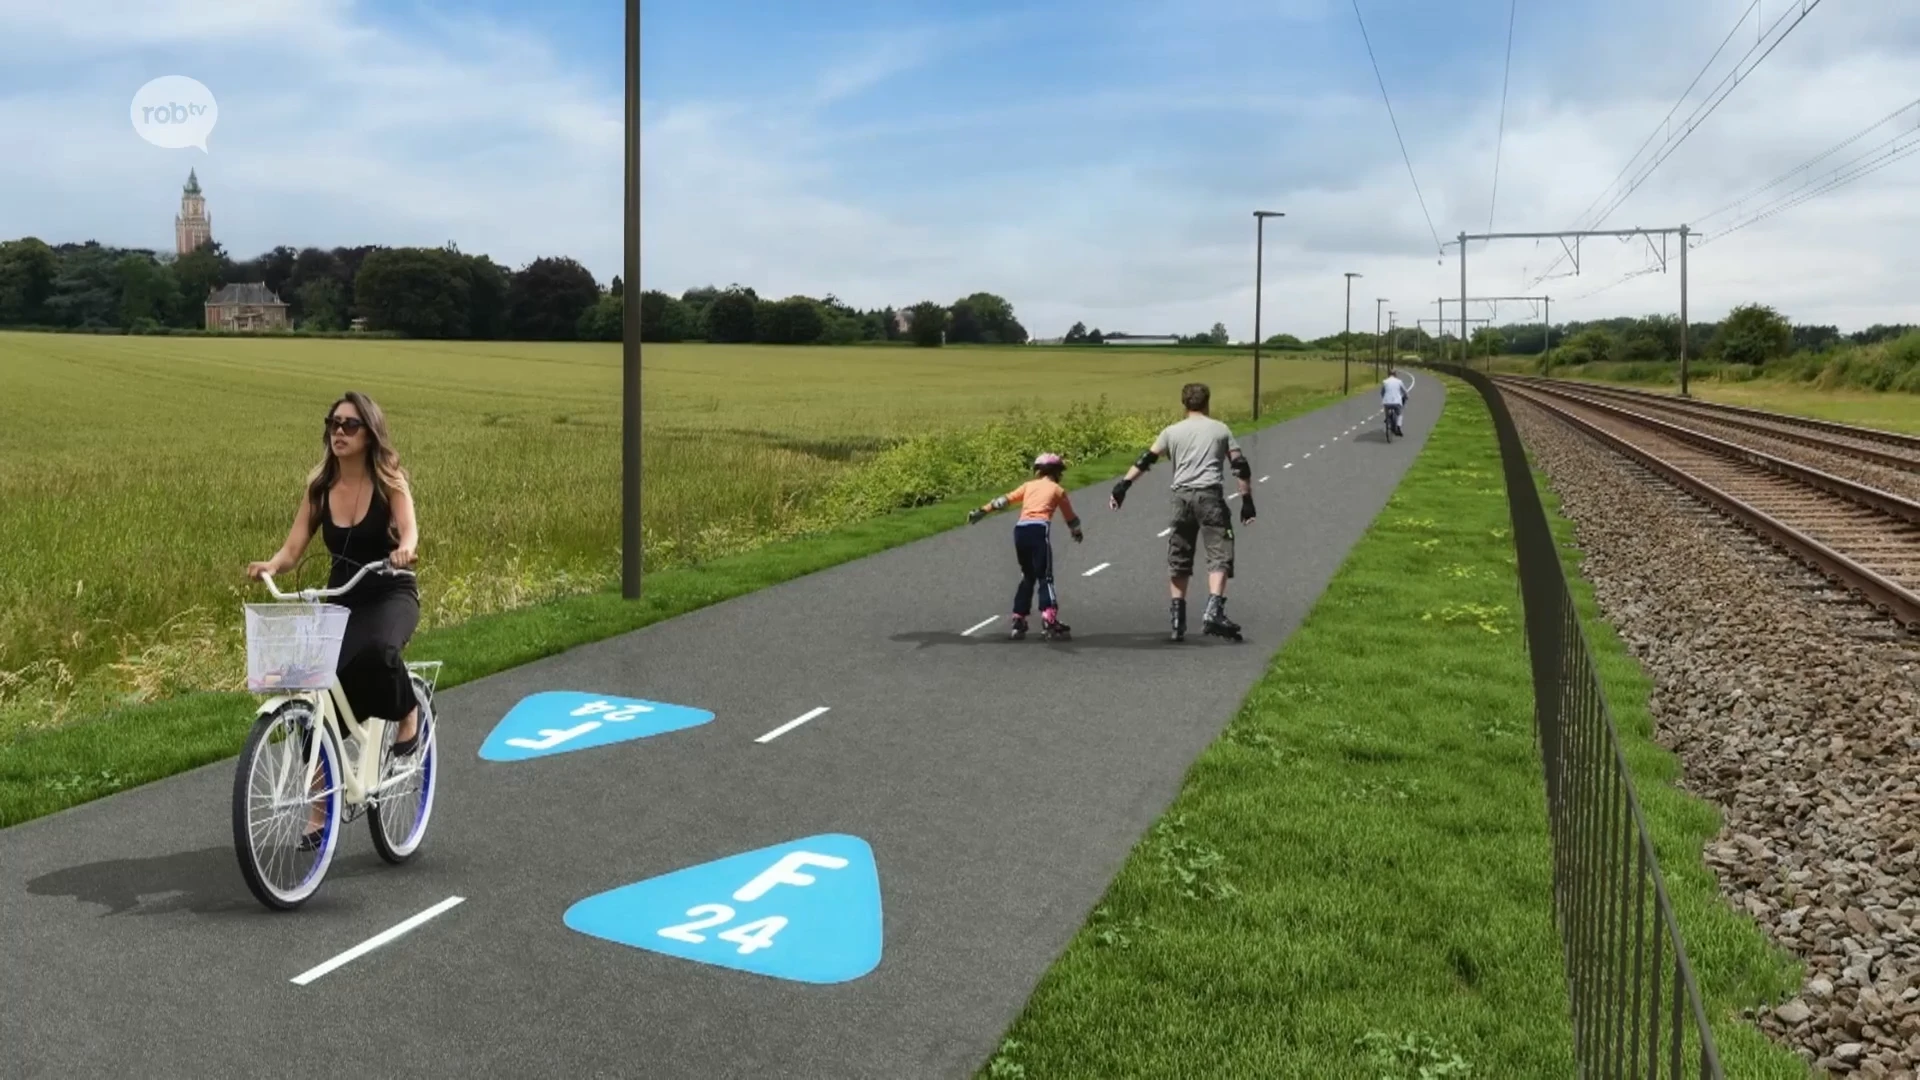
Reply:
x=293 y=646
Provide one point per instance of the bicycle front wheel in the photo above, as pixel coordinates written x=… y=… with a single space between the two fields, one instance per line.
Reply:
x=275 y=797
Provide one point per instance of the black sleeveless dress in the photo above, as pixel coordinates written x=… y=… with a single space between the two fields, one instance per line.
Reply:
x=384 y=612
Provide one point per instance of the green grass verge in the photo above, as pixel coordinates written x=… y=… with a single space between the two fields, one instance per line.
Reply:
x=50 y=771
x=1354 y=879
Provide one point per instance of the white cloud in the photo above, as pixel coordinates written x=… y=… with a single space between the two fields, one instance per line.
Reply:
x=1169 y=249
x=334 y=130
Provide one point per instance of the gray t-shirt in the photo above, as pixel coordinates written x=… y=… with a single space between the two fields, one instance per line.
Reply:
x=1197 y=446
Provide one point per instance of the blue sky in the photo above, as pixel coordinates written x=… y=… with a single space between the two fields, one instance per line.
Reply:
x=1094 y=161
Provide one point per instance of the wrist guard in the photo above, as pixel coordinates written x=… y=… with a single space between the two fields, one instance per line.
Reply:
x=1246 y=508
x=1120 y=487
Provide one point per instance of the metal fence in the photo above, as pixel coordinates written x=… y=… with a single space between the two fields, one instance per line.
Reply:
x=1636 y=1009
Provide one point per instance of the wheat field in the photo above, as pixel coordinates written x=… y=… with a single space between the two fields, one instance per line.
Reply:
x=139 y=475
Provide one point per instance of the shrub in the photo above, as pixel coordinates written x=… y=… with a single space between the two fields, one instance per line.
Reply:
x=928 y=468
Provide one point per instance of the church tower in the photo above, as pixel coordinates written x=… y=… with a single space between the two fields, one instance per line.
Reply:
x=192 y=227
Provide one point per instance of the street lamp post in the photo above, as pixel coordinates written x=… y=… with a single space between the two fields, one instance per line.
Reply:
x=1345 y=385
x=630 y=537
x=1379 y=344
x=1259 y=251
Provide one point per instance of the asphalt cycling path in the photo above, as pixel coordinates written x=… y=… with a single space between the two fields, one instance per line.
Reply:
x=996 y=785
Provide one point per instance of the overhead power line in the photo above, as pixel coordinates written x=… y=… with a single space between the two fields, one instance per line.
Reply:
x=1396 y=126
x=1897 y=148
x=1667 y=119
x=1764 y=45
x=1513 y=9
x=1811 y=162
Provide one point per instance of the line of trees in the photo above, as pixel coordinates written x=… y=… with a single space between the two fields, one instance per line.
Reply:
x=408 y=291
x=739 y=315
x=1752 y=334
x=446 y=293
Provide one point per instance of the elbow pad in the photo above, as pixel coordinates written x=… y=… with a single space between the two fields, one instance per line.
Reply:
x=1145 y=460
x=1241 y=468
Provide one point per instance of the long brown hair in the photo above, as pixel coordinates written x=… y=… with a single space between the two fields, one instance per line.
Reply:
x=383 y=461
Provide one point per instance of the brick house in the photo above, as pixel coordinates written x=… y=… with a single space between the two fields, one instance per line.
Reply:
x=246 y=309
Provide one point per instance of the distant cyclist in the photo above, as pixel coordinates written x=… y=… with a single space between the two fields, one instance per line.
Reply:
x=1393 y=397
x=1201 y=448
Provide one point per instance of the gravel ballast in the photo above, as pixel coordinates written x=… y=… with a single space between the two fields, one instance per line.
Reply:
x=1794 y=708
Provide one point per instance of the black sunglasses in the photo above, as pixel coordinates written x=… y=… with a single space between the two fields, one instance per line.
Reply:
x=351 y=425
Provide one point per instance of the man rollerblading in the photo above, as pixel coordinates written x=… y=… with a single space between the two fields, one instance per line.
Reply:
x=1201 y=449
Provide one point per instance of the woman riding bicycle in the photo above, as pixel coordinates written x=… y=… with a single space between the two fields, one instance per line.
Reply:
x=359 y=497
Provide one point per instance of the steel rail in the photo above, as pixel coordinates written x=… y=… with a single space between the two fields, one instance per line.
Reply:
x=1910 y=443
x=1889 y=597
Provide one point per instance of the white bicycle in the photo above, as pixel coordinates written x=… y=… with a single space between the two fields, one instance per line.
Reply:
x=308 y=751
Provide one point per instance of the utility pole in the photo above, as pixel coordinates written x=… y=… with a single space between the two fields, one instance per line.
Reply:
x=1683 y=311
x=1659 y=252
x=1393 y=343
x=1259 y=252
x=1463 y=300
x=1378 y=343
x=1546 y=345
x=1440 y=325
x=1494 y=299
x=1347 y=338
x=630 y=535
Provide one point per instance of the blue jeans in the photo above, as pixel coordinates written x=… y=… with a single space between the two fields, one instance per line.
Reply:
x=1032 y=545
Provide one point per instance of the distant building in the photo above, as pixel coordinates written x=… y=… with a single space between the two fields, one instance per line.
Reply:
x=191 y=227
x=1140 y=339
x=246 y=309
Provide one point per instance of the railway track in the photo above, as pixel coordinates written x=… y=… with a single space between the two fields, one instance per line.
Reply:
x=1861 y=536
x=1886 y=448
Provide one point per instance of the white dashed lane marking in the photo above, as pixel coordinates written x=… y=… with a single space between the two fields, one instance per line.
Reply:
x=376 y=941
x=790 y=725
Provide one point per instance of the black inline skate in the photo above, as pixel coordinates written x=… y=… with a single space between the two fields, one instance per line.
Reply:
x=1019 y=628
x=1216 y=623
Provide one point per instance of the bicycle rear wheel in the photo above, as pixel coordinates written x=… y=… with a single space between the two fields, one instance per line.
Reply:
x=398 y=819
x=273 y=796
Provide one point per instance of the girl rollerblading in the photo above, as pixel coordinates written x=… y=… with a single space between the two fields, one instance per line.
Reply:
x=1032 y=544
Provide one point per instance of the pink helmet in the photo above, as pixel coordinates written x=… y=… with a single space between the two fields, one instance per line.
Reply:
x=1048 y=459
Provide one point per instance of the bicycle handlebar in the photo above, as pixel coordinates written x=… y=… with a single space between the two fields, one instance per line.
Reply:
x=328 y=594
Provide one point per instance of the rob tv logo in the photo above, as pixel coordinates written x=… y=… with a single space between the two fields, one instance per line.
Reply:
x=174 y=112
